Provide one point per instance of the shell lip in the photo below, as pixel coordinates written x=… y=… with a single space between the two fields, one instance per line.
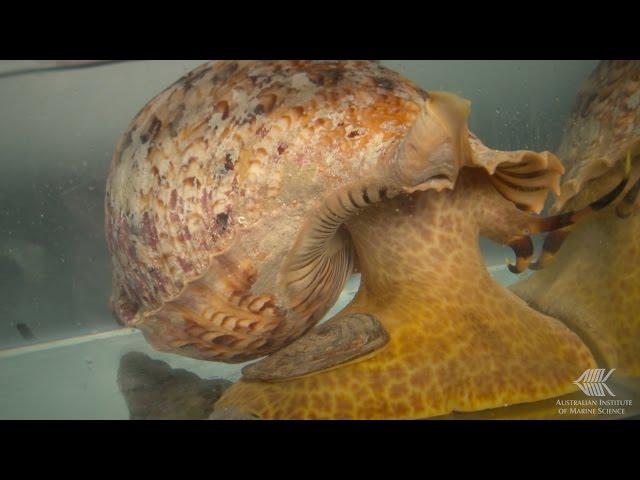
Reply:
x=438 y=182
x=510 y=172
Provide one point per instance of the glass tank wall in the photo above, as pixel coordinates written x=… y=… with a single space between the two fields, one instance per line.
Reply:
x=61 y=349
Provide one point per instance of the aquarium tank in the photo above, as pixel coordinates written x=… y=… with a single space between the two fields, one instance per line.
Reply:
x=300 y=239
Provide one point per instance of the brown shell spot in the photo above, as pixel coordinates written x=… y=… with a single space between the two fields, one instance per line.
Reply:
x=124 y=309
x=156 y=173
x=186 y=266
x=127 y=140
x=224 y=340
x=228 y=162
x=262 y=131
x=173 y=124
x=192 y=77
x=152 y=131
x=297 y=111
x=184 y=234
x=258 y=79
x=224 y=73
x=384 y=82
x=173 y=201
x=424 y=94
x=191 y=182
x=250 y=118
x=223 y=108
x=327 y=77
x=150 y=232
x=222 y=221
x=267 y=102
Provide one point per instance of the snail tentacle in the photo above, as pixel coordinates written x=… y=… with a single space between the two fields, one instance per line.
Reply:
x=523 y=248
x=561 y=225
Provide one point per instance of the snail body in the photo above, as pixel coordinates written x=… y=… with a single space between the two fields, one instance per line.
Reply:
x=592 y=282
x=241 y=198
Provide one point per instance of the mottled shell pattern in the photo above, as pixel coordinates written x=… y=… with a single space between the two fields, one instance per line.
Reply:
x=228 y=191
x=604 y=127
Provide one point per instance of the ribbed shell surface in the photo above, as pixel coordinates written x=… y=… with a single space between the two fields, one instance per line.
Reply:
x=231 y=158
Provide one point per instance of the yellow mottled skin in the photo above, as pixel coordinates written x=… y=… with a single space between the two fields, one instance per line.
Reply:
x=594 y=286
x=459 y=340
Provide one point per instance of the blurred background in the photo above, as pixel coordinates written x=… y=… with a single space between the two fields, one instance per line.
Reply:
x=59 y=124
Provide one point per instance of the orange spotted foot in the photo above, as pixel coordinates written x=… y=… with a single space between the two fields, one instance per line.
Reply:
x=440 y=359
x=593 y=285
x=459 y=341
